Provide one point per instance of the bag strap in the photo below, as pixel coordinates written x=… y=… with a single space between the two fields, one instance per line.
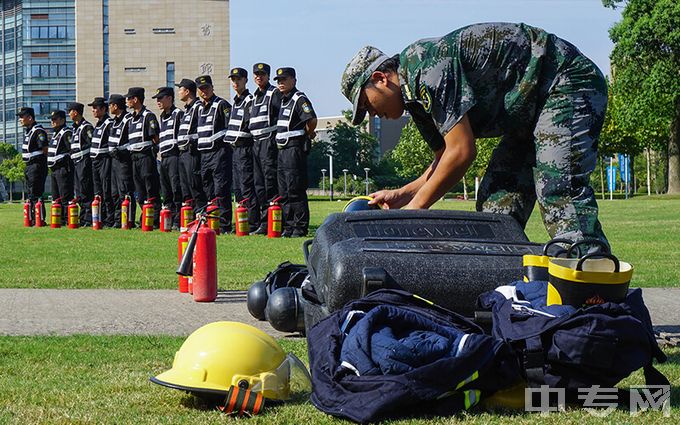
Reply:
x=534 y=362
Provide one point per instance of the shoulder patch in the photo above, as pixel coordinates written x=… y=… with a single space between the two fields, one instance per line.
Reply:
x=89 y=132
x=425 y=98
x=41 y=136
x=153 y=123
x=306 y=108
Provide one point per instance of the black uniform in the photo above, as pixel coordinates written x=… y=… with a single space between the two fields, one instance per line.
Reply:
x=263 y=117
x=189 y=157
x=169 y=170
x=216 y=155
x=294 y=145
x=101 y=170
x=142 y=127
x=82 y=164
x=60 y=164
x=35 y=139
x=122 y=183
x=239 y=137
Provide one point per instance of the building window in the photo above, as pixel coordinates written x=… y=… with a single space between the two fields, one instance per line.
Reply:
x=129 y=31
x=49 y=32
x=163 y=30
x=135 y=69
x=170 y=74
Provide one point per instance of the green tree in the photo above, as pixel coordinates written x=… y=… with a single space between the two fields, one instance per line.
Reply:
x=412 y=155
x=645 y=69
x=354 y=148
x=12 y=166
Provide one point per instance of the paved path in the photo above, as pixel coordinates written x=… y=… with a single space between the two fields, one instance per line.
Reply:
x=167 y=312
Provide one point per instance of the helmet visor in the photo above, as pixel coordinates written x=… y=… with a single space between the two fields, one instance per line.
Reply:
x=291 y=380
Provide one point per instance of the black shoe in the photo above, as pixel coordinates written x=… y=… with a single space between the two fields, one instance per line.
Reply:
x=287 y=234
x=262 y=230
x=297 y=233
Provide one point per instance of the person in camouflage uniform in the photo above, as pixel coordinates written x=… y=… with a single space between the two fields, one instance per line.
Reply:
x=543 y=97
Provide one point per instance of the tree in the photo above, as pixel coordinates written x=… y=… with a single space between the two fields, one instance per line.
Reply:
x=645 y=68
x=353 y=146
x=412 y=155
x=12 y=166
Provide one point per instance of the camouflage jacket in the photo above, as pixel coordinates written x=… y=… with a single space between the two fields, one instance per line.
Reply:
x=497 y=73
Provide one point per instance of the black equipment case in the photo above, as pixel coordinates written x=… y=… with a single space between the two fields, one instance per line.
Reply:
x=448 y=257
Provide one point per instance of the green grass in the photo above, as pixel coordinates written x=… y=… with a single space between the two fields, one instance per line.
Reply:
x=95 y=379
x=643 y=231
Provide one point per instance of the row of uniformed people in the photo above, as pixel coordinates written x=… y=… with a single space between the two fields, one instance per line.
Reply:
x=263 y=140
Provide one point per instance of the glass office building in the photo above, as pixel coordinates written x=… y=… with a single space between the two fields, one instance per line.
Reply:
x=37 y=61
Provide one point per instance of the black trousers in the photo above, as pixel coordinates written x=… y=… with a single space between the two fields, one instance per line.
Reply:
x=102 y=182
x=171 y=186
x=62 y=185
x=122 y=185
x=190 y=177
x=292 y=174
x=35 y=175
x=265 y=154
x=244 y=182
x=216 y=173
x=84 y=190
x=145 y=175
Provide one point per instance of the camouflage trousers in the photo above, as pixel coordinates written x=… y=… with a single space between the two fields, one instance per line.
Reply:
x=552 y=164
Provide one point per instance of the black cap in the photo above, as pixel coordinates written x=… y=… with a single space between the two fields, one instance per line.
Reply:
x=22 y=112
x=75 y=106
x=203 y=80
x=285 y=72
x=116 y=99
x=164 y=91
x=135 y=92
x=187 y=84
x=98 y=101
x=238 y=72
x=58 y=114
x=261 y=67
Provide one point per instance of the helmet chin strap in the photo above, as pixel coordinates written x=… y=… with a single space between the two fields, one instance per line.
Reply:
x=242 y=402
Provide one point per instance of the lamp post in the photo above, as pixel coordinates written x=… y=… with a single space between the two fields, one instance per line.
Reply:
x=344 y=171
x=367 y=170
x=323 y=182
x=330 y=174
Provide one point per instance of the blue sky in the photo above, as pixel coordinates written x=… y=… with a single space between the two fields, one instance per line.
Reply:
x=319 y=37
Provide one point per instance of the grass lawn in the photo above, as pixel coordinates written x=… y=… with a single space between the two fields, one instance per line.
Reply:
x=94 y=379
x=643 y=231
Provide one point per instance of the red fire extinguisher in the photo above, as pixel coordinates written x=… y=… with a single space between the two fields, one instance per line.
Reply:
x=125 y=213
x=147 y=215
x=39 y=219
x=213 y=212
x=73 y=214
x=27 y=214
x=241 y=219
x=200 y=262
x=96 y=213
x=166 y=219
x=182 y=242
x=55 y=214
x=205 y=266
x=186 y=215
x=274 y=219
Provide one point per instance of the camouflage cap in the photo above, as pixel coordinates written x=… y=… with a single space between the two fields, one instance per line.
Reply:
x=357 y=73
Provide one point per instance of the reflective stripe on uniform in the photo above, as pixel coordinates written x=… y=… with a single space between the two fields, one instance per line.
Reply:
x=267 y=130
x=139 y=146
x=80 y=154
x=288 y=134
x=31 y=154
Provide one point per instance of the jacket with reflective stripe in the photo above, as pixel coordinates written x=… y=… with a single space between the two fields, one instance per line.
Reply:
x=30 y=147
x=81 y=142
x=211 y=129
x=262 y=124
x=118 y=137
x=137 y=131
x=59 y=146
x=187 y=129
x=237 y=130
x=169 y=127
x=284 y=132
x=100 y=138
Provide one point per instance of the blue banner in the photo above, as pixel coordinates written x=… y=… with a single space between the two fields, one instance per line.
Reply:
x=624 y=170
x=611 y=178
